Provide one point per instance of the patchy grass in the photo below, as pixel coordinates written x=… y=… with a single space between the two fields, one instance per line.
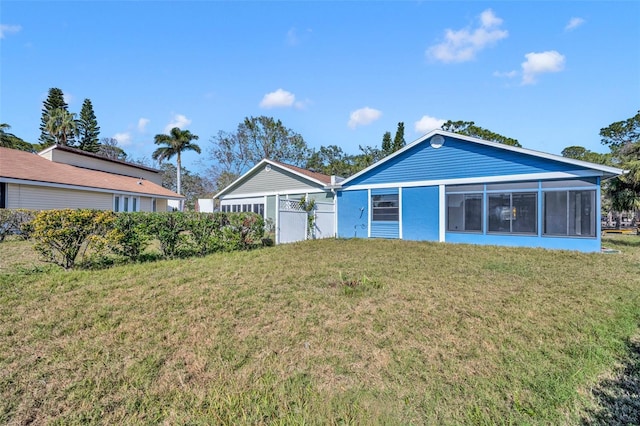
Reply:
x=321 y=332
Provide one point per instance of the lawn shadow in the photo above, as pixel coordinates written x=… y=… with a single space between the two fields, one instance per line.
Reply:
x=618 y=398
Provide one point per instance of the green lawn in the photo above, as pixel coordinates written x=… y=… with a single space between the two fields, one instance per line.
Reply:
x=321 y=332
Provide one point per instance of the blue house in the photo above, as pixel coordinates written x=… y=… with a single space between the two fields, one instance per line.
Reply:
x=453 y=188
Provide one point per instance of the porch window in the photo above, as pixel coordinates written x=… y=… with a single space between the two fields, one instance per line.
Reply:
x=512 y=212
x=385 y=207
x=570 y=213
x=464 y=212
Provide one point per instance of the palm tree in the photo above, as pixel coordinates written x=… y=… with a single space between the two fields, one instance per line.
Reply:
x=62 y=125
x=175 y=143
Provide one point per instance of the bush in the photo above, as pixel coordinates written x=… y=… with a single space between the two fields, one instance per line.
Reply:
x=242 y=231
x=15 y=222
x=130 y=235
x=168 y=228
x=61 y=235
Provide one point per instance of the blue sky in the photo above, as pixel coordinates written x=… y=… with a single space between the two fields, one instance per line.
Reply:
x=550 y=74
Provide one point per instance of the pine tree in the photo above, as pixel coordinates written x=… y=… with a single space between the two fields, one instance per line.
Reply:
x=398 y=141
x=387 y=144
x=88 y=128
x=54 y=101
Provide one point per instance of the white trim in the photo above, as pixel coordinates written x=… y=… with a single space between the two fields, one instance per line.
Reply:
x=486 y=179
x=267 y=193
x=400 y=213
x=369 y=213
x=605 y=169
x=442 y=211
x=277 y=221
x=83 y=188
x=335 y=214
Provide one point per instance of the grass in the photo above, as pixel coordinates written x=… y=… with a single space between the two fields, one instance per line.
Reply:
x=321 y=332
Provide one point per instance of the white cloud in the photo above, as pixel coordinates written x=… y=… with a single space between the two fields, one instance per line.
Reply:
x=464 y=44
x=539 y=63
x=427 y=124
x=574 y=23
x=123 y=138
x=278 y=99
x=363 y=116
x=142 y=124
x=8 y=29
x=179 y=121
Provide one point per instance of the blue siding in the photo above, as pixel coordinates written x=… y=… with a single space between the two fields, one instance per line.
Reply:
x=420 y=211
x=353 y=214
x=565 y=243
x=385 y=229
x=456 y=159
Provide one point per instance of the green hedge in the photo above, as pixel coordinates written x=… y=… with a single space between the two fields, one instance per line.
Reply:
x=71 y=237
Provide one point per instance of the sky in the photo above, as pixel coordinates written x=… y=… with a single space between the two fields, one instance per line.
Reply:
x=549 y=74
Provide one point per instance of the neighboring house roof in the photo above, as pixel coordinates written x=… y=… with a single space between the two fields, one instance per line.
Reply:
x=23 y=167
x=99 y=157
x=604 y=171
x=308 y=175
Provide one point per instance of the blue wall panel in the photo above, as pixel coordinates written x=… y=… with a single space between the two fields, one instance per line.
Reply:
x=565 y=243
x=457 y=159
x=353 y=214
x=420 y=210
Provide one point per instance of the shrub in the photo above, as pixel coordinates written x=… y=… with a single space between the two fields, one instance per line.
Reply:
x=130 y=235
x=15 y=222
x=61 y=235
x=168 y=228
x=204 y=230
x=243 y=231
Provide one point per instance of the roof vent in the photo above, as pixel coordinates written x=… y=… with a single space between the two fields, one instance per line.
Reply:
x=437 y=141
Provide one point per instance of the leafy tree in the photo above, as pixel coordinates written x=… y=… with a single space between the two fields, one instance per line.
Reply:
x=62 y=126
x=581 y=153
x=398 y=140
x=257 y=138
x=55 y=100
x=621 y=133
x=623 y=138
x=387 y=144
x=331 y=160
x=109 y=148
x=88 y=128
x=469 y=128
x=368 y=156
x=9 y=140
x=175 y=143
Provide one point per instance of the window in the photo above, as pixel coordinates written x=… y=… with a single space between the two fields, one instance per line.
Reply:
x=385 y=207
x=246 y=207
x=116 y=204
x=135 y=205
x=570 y=213
x=154 y=205
x=3 y=195
x=464 y=212
x=258 y=209
x=512 y=212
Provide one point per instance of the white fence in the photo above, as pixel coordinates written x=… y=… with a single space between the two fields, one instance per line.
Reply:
x=293 y=224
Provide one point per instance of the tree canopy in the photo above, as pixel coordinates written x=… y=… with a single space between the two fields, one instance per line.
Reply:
x=255 y=138
x=55 y=101
x=623 y=138
x=9 y=140
x=88 y=128
x=469 y=128
x=174 y=144
x=62 y=126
